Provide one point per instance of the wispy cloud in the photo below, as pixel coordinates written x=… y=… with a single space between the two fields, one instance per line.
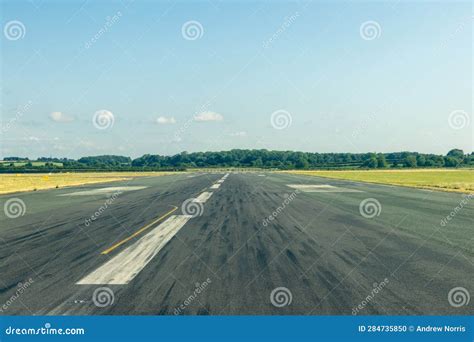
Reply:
x=238 y=134
x=208 y=116
x=60 y=117
x=163 y=120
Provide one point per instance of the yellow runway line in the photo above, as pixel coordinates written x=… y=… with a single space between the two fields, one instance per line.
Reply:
x=110 y=249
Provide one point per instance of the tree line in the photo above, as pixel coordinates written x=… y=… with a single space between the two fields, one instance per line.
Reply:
x=265 y=159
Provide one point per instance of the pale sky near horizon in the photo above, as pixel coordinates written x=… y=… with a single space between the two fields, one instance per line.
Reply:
x=160 y=77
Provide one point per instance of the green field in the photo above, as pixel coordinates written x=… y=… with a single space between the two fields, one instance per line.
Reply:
x=457 y=180
x=10 y=183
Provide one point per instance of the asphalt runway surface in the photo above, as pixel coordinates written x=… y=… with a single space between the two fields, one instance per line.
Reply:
x=241 y=244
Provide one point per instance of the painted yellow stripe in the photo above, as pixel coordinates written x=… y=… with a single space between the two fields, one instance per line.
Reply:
x=110 y=249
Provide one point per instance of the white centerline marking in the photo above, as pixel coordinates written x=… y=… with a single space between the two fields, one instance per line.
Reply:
x=215 y=186
x=123 y=267
x=202 y=198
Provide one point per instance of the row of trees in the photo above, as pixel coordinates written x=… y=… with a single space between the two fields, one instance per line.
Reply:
x=305 y=160
x=454 y=158
x=258 y=159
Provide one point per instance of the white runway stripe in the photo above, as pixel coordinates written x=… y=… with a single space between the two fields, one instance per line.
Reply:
x=123 y=267
x=105 y=191
x=320 y=188
x=202 y=198
x=215 y=186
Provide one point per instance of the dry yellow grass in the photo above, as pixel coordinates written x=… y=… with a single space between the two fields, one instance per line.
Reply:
x=30 y=182
x=457 y=180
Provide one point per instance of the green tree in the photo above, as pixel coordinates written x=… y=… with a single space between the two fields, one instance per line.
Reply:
x=301 y=163
x=451 y=162
x=381 y=161
x=420 y=160
x=371 y=162
x=410 y=161
x=456 y=153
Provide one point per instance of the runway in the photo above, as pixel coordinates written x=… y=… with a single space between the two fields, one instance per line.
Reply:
x=237 y=244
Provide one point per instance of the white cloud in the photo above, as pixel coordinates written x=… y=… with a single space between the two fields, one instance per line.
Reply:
x=208 y=116
x=58 y=147
x=87 y=144
x=163 y=120
x=238 y=134
x=60 y=117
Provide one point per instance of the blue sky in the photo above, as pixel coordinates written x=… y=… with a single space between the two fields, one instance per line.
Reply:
x=328 y=84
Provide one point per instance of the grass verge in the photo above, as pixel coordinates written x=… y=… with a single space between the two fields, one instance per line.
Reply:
x=10 y=183
x=456 y=180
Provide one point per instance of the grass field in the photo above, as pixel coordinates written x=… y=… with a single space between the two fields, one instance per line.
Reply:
x=439 y=179
x=30 y=182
